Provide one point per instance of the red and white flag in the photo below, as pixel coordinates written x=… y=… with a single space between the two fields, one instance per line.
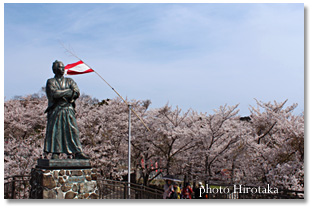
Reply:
x=77 y=68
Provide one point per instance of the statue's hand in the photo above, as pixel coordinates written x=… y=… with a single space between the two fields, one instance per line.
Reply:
x=76 y=95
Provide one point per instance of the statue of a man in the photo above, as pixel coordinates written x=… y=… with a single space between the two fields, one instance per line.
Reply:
x=62 y=135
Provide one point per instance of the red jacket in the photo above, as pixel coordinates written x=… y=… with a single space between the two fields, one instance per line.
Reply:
x=187 y=192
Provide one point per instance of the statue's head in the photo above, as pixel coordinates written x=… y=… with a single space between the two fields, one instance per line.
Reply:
x=58 y=68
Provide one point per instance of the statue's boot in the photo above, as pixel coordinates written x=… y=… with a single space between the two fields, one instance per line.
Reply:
x=80 y=155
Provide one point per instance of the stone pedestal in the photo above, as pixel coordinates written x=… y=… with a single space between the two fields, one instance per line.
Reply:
x=63 y=179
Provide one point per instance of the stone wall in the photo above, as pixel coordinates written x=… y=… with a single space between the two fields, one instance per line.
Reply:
x=63 y=184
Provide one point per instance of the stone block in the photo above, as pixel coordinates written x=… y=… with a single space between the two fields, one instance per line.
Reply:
x=81 y=188
x=87 y=172
x=63 y=184
x=70 y=195
x=76 y=173
x=89 y=186
x=55 y=174
x=66 y=187
x=75 y=188
x=62 y=172
x=48 y=181
x=49 y=194
x=60 y=194
x=61 y=180
x=64 y=163
x=94 y=196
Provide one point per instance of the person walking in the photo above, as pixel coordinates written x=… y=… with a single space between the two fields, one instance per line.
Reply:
x=167 y=189
x=187 y=192
x=198 y=191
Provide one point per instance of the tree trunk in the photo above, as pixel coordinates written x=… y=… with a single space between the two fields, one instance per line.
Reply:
x=206 y=171
x=145 y=179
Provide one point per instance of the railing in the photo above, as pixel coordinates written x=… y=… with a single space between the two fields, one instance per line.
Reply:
x=282 y=194
x=18 y=187
x=111 y=189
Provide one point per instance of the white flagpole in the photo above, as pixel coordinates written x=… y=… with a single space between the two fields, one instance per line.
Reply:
x=129 y=154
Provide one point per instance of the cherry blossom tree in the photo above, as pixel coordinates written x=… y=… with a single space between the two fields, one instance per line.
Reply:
x=103 y=131
x=266 y=147
x=24 y=131
x=273 y=149
x=216 y=135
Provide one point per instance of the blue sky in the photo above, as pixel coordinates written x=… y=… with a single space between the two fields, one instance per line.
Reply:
x=197 y=56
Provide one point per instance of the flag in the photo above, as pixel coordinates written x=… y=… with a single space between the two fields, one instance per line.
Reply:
x=77 y=68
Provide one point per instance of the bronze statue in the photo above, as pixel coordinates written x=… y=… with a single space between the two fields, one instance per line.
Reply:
x=62 y=134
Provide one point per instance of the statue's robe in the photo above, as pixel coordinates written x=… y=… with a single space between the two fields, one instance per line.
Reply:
x=62 y=135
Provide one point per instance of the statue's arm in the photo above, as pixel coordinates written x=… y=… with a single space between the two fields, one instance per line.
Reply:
x=74 y=88
x=55 y=92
